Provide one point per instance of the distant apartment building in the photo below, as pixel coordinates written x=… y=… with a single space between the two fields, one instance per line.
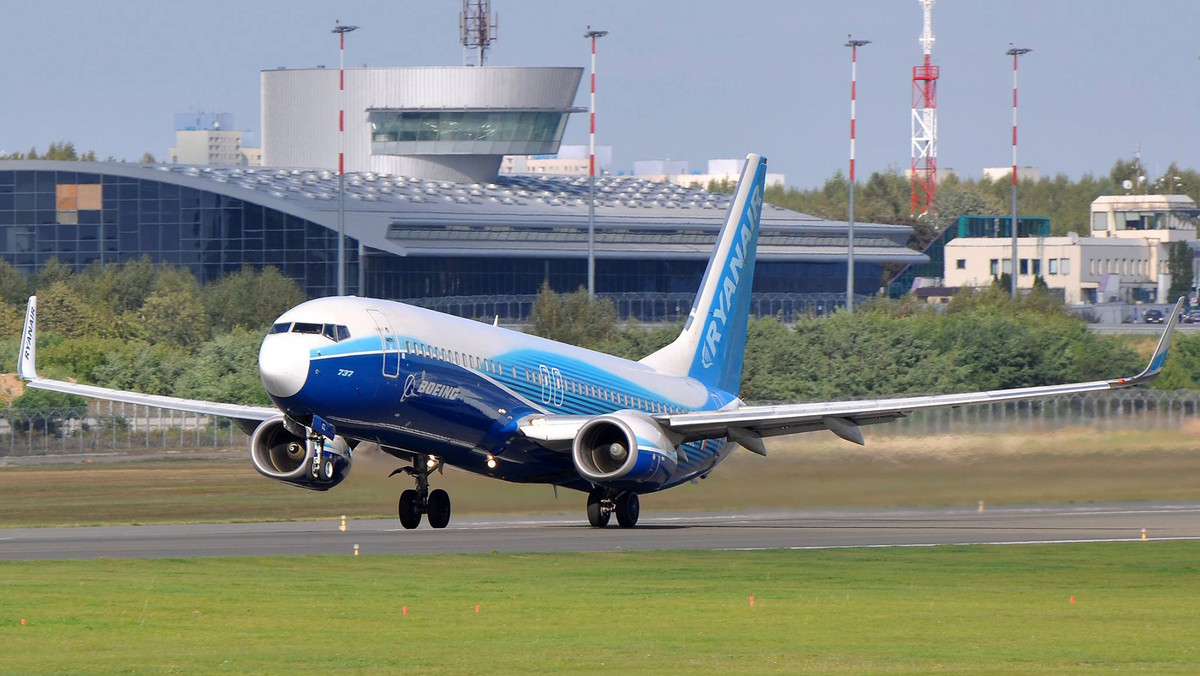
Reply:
x=210 y=139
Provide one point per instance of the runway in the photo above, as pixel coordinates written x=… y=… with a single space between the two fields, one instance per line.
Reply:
x=802 y=529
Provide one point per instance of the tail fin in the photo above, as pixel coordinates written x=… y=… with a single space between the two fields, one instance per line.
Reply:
x=713 y=341
x=26 y=359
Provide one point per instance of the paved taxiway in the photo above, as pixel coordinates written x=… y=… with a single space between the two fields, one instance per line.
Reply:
x=697 y=530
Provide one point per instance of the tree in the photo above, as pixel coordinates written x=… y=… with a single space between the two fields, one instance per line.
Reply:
x=573 y=318
x=225 y=369
x=250 y=298
x=52 y=271
x=14 y=288
x=148 y=158
x=44 y=411
x=1179 y=266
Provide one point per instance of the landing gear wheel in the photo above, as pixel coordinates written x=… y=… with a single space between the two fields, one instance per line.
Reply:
x=628 y=509
x=410 y=511
x=327 y=470
x=597 y=513
x=438 y=508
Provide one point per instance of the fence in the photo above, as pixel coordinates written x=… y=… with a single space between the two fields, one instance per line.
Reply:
x=107 y=426
x=647 y=307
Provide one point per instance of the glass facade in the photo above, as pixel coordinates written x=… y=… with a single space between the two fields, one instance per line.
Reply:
x=505 y=132
x=389 y=276
x=81 y=218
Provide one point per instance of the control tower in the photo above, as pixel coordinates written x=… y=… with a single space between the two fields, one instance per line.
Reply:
x=441 y=123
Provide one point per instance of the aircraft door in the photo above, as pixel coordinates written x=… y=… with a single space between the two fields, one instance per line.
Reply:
x=391 y=346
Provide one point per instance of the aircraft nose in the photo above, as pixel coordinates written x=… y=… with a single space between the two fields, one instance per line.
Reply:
x=283 y=365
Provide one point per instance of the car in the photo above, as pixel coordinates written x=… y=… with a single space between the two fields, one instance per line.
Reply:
x=1190 y=317
x=1153 y=317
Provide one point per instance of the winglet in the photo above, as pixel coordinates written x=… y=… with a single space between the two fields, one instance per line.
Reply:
x=1160 y=352
x=26 y=357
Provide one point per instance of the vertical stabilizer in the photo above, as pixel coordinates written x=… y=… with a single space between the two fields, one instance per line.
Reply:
x=27 y=359
x=713 y=341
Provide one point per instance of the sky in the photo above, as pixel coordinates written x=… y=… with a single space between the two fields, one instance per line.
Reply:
x=680 y=79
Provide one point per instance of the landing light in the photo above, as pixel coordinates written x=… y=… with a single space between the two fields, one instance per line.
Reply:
x=491 y=461
x=432 y=462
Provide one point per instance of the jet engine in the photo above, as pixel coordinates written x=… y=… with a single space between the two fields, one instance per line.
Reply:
x=283 y=451
x=625 y=450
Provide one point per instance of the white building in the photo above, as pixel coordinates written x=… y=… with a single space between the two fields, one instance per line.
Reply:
x=570 y=160
x=210 y=139
x=717 y=171
x=1123 y=259
x=1005 y=173
x=442 y=123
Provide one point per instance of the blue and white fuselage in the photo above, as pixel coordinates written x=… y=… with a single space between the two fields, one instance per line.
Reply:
x=419 y=381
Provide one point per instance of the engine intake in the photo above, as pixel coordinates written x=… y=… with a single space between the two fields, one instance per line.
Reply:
x=280 y=454
x=625 y=450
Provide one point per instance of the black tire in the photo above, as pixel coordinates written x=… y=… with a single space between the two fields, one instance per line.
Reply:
x=629 y=507
x=439 y=508
x=410 y=515
x=327 y=470
x=597 y=517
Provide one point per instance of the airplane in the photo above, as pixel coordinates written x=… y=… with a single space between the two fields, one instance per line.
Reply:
x=435 y=390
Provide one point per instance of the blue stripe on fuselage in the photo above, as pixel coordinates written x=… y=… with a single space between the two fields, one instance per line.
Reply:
x=439 y=407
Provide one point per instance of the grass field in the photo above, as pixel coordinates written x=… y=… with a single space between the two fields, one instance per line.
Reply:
x=808 y=471
x=981 y=609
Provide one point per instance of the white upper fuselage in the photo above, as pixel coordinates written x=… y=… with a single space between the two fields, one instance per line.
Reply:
x=420 y=381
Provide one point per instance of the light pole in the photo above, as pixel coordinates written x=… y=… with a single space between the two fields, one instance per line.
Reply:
x=341 y=263
x=1014 y=52
x=591 y=263
x=853 y=45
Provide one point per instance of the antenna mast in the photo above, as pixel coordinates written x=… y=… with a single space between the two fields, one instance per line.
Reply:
x=924 y=122
x=477 y=29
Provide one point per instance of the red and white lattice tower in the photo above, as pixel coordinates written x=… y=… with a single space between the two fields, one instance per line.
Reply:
x=924 y=122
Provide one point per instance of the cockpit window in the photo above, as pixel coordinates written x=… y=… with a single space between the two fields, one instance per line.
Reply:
x=334 y=332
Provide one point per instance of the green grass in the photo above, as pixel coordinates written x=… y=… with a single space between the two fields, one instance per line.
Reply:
x=807 y=471
x=983 y=609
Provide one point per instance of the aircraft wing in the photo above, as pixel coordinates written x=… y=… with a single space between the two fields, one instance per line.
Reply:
x=246 y=417
x=747 y=425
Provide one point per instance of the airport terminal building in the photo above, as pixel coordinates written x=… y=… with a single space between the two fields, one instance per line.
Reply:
x=444 y=244
x=427 y=218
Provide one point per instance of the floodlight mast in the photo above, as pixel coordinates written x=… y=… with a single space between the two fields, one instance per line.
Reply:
x=853 y=45
x=1014 y=52
x=591 y=260
x=341 y=31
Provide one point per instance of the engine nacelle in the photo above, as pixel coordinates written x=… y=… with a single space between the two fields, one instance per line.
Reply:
x=625 y=450
x=280 y=454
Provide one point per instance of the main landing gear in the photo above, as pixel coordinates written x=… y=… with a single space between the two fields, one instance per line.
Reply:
x=603 y=502
x=415 y=503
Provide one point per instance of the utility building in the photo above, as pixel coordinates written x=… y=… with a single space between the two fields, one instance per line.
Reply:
x=1122 y=259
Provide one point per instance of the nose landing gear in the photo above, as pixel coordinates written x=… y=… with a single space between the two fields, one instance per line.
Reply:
x=421 y=501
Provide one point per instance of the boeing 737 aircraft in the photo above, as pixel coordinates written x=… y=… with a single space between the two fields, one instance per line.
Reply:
x=434 y=390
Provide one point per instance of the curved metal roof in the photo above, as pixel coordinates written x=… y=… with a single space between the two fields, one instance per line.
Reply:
x=525 y=216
